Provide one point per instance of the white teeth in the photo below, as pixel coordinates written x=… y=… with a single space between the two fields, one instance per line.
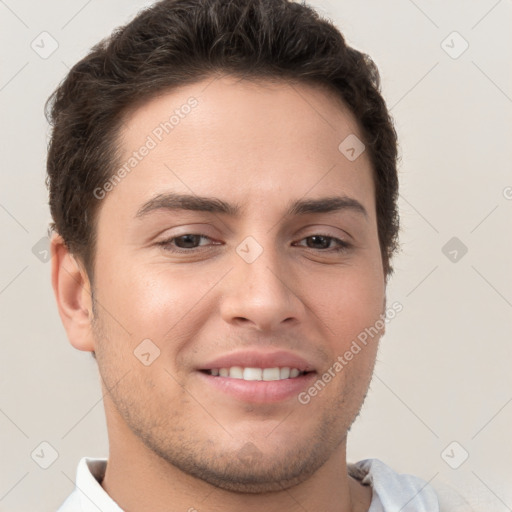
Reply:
x=236 y=372
x=284 y=373
x=251 y=374
x=270 y=374
x=266 y=374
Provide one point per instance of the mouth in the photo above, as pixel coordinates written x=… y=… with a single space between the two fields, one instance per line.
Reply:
x=257 y=374
x=257 y=385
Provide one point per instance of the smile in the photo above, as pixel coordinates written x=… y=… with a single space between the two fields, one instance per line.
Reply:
x=248 y=373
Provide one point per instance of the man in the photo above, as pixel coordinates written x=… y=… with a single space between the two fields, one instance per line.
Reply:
x=223 y=186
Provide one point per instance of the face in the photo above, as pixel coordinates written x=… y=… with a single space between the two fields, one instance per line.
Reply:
x=246 y=282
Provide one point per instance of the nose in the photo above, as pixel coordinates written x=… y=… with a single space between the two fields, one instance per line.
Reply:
x=261 y=294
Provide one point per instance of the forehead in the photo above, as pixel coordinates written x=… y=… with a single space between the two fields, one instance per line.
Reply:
x=258 y=140
x=226 y=104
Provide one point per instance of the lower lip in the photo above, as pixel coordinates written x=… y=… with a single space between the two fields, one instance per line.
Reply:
x=260 y=391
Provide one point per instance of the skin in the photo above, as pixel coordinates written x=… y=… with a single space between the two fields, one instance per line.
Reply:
x=176 y=443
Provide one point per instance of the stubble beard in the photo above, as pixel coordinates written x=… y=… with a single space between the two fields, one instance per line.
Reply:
x=256 y=467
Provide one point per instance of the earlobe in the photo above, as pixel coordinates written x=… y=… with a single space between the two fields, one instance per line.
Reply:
x=72 y=291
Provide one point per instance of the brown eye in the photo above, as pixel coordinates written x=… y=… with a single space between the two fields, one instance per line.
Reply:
x=324 y=242
x=183 y=243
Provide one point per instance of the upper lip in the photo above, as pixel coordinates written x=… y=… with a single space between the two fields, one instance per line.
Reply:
x=259 y=359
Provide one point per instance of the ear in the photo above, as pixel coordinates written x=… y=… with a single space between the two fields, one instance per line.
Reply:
x=73 y=294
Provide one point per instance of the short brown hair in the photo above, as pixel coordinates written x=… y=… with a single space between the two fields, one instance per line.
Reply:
x=179 y=42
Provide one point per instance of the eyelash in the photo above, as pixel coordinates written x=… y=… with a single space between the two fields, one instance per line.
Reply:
x=342 y=245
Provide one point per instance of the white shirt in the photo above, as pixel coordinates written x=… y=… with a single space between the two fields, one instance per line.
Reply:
x=391 y=491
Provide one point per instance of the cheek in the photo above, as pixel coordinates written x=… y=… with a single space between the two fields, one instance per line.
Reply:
x=155 y=301
x=150 y=304
x=348 y=300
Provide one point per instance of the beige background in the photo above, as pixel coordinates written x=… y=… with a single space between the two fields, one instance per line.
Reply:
x=443 y=373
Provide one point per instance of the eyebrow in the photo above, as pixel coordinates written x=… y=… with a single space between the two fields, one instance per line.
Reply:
x=174 y=201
